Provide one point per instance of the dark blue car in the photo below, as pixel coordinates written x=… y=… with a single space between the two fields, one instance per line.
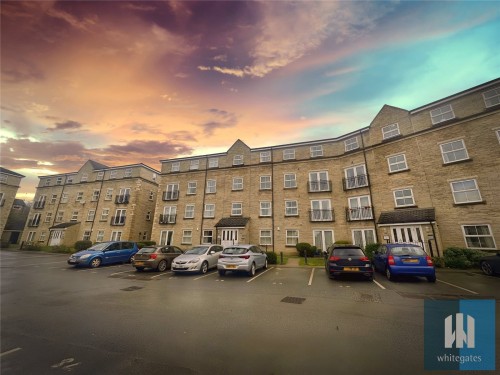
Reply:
x=104 y=253
x=399 y=259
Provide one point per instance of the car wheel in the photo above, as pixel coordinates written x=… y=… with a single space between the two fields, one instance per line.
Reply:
x=162 y=266
x=131 y=259
x=388 y=274
x=96 y=262
x=431 y=279
x=139 y=268
x=252 y=270
x=222 y=272
x=486 y=267
x=204 y=268
x=265 y=264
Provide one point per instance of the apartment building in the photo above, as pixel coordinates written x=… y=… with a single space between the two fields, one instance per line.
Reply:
x=430 y=175
x=97 y=203
x=9 y=185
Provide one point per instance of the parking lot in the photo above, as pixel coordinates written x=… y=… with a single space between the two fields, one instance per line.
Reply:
x=285 y=320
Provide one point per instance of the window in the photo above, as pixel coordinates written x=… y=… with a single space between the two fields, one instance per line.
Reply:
x=478 y=236
x=189 y=211
x=116 y=236
x=290 y=180
x=86 y=235
x=363 y=237
x=292 y=237
x=48 y=217
x=151 y=195
x=64 y=198
x=465 y=191
x=175 y=166
x=31 y=236
x=100 y=236
x=236 y=209
x=100 y=175
x=104 y=214
x=35 y=221
x=123 y=196
x=237 y=183
x=171 y=192
x=169 y=215
x=119 y=218
x=47 y=182
x=491 y=97
x=90 y=215
x=95 y=195
x=360 y=208
x=3 y=178
x=397 y=163
x=53 y=199
x=351 y=144
x=213 y=163
x=355 y=177
x=390 y=131
x=187 y=236
x=59 y=181
x=208 y=236
x=454 y=151
x=148 y=215
x=209 y=210
x=265 y=208
x=59 y=216
x=69 y=180
x=74 y=216
x=211 y=186
x=109 y=194
x=318 y=181
x=265 y=182
x=238 y=160
x=403 y=197
x=291 y=208
x=113 y=174
x=85 y=177
x=265 y=237
x=79 y=196
x=321 y=210
x=191 y=187
x=442 y=114
x=498 y=134
x=289 y=154
x=316 y=151
x=128 y=172
x=42 y=236
x=195 y=164
x=154 y=176
x=265 y=156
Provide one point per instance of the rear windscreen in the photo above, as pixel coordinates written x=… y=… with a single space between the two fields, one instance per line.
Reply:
x=348 y=252
x=235 y=250
x=147 y=250
x=409 y=251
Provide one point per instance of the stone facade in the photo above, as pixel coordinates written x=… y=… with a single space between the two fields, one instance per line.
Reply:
x=97 y=203
x=9 y=184
x=430 y=175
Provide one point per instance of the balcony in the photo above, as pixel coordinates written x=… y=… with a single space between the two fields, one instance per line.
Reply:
x=39 y=204
x=118 y=220
x=321 y=215
x=359 y=213
x=168 y=219
x=318 y=186
x=171 y=195
x=34 y=222
x=355 y=182
x=122 y=199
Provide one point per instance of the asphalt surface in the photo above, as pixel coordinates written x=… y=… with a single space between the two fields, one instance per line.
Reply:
x=56 y=319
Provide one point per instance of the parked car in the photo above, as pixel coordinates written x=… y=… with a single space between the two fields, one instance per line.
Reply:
x=198 y=259
x=242 y=258
x=347 y=259
x=156 y=257
x=490 y=264
x=404 y=259
x=104 y=253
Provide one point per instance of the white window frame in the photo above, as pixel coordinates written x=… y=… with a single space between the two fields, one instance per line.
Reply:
x=468 y=192
x=211 y=187
x=31 y=237
x=3 y=178
x=175 y=166
x=207 y=238
x=237 y=183
x=265 y=156
x=364 y=236
x=120 y=216
x=397 y=163
x=291 y=208
x=209 y=210
x=362 y=209
x=128 y=172
x=53 y=199
x=90 y=215
x=403 y=197
x=171 y=192
x=455 y=150
x=74 y=216
x=148 y=215
x=238 y=159
x=64 y=198
x=48 y=217
x=104 y=214
x=191 y=187
x=100 y=176
x=69 y=179
x=319 y=177
x=86 y=235
x=194 y=165
x=237 y=209
x=187 y=237
x=265 y=182
x=390 y=131
x=356 y=176
x=151 y=195
x=47 y=182
x=290 y=180
x=491 y=97
x=100 y=236
x=116 y=235
x=189 y=211
x=351 y=144
x=265 y=237
x=291 y=237
x=443 y=113
x=266 y=209
x=213 y=163
x=321 y=210
x=478 y=236
x=59 y=216
x=59 y=181
x=113 y=174
x=85 y=177
x=316 y=151
x=95 y=195
x=289 y=154
x=79 y=197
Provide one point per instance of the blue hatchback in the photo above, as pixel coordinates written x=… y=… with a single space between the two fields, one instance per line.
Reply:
x=404 y=259
x=104 y=253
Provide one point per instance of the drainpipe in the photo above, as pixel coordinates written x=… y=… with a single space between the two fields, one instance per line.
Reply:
x=369 y=185
x=57 y=209
x=272 y=198
x=203 y=205
x=435 y=238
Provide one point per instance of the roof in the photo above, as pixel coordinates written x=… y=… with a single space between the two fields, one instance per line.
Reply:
x=232 y=222
x=64 y=225
x=409 y=215
x=97 y=165
x=8 y=171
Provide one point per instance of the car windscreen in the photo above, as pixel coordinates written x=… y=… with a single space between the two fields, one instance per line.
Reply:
x=235 y=250
x=408 y=251
x=147 y=250
x=99 y=246
x=348 y=252
x=198 y=250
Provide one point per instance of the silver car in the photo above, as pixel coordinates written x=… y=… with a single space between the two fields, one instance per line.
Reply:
x=198 y=259
x=246 y=258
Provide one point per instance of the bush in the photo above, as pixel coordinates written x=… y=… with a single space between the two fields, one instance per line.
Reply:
x=305 y=248
x=82 y=245
x=59 y=249
x=142 y=244
x=32 y=247
x=342 y=242
x=370 y=249
x=456 y=257
x=438 y=262
x=272 y=258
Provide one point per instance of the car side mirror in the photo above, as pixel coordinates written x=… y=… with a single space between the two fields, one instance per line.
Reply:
x=211 y=252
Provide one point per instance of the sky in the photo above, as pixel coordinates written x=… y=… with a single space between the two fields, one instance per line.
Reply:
x=123 y=82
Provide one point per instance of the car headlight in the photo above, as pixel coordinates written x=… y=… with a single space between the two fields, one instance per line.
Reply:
x=84 y=256
x=195 y=260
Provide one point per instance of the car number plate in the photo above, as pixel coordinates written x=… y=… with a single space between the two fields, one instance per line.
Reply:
x=410 y=260
x=231 y=266
x=139 y=263
x=351 y=269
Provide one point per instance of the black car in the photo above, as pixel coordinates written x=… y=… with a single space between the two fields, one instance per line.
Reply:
x=347 y=259
x=490 y=264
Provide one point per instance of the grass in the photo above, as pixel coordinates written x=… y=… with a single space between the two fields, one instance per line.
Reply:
x=312 y=262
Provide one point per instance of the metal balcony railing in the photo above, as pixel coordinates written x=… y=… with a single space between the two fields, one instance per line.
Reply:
x=168 y=219
x=356 y=182
x=118 y=220
x=39 y=204
x=171 y=195
x=34 y=222
x=122 y=199
x=317 y=186
x=359 y=213
x=321 y=215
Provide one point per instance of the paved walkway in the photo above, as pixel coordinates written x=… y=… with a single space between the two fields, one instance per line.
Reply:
x=292 y=262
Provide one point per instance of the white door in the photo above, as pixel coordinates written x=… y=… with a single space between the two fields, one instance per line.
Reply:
x=408 y=234
x=323 y=239
x=229 y=237
x=56 y=237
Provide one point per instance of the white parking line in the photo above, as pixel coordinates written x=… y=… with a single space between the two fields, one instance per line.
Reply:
x=161 y=274
x=260 y=274
x=208 y=274
x=380 y=285
x=311 y=278
x=456 y=286
x=9 y=351
x=117 y=273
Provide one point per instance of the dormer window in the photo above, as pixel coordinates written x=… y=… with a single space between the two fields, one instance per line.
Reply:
x=316 y=151
x=390 y=131
x=175 y=167
x=351 y=144
x=265 y=156
x=491 y=97
x=441 y=114
x=238 y=160
x=195 y=164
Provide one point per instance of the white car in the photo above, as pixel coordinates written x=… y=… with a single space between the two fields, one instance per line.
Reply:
x=243 y=258
x=198 y=259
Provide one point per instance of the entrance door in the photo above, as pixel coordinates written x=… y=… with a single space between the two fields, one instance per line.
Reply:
x=56 y=237
x=229 y=237
x=409 y=234
x=166 y=237
x=323 y=239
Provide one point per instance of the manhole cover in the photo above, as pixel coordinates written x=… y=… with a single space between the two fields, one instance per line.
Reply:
x=296 y=300
x=132 y=288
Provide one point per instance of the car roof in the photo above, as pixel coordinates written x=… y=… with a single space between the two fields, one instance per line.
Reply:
x=244 y=246
x=401 y=244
